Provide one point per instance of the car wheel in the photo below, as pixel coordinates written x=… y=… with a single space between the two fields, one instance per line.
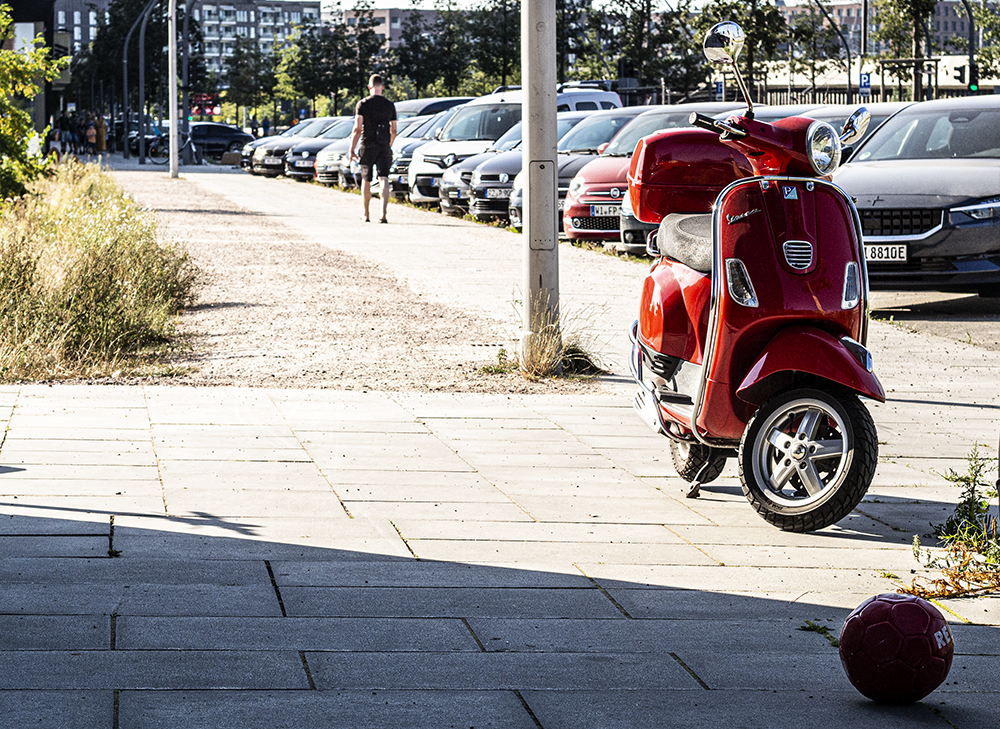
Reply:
x=807 y=457
x=234 y=147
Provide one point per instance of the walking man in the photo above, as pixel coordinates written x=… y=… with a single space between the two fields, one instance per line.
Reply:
x=375 y=125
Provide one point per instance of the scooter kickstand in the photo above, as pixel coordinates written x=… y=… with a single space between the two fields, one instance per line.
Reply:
x=694 y=491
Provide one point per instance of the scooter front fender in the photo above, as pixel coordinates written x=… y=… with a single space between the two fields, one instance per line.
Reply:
x=806 y=350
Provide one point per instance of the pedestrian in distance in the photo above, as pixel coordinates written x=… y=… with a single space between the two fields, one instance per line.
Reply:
x=266 y=125
x=102 y=135
x=375 y=126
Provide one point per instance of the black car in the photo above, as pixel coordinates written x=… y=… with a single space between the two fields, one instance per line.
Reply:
x=927 y=185
x=300 y=160
x=493 y=179
x=213 y=139
x=246 y=154
x=455 y=190
x=269 y=158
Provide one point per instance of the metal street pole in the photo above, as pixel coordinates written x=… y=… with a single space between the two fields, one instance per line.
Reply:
x=142 y=81
x=541 y=251
x=972 y=42
x=172 y=84
x=126 y=110
x=185 y=98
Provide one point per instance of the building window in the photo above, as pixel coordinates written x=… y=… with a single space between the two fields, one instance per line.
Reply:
x=76 y=33
x=62 y=19
x=77 y=17
x=241 y=16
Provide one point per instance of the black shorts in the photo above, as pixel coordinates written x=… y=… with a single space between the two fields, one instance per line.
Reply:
x=377 y=156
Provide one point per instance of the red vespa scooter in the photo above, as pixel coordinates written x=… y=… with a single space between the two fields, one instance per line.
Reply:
x=751 y=332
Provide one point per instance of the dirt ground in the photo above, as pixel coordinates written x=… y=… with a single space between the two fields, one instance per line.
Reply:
x=278 y=311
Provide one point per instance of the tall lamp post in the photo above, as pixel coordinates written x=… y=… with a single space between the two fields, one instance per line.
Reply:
x=541 y=250
x=142 y=81
x=172 y=83
x=127 y=111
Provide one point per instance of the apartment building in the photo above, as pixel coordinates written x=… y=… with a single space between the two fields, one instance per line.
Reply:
x=947 y=21
x=388 y=22
x=269 y=22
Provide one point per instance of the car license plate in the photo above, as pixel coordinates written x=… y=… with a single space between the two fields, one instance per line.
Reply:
x=604 y=210
x=457 y=194
x=885 y=253
x=560 y=205
x=495 y=193
x=273 y=161
x=435 y=181
x=303 y=163
x=401 y=180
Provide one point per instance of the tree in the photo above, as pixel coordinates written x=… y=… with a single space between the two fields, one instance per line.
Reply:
x=900 y=30
x=21 y=71
x=250 y=74
x=495 y=27
x=763 y=24
x=815 y=46
x=413 y=57
x=573 y=42
x=987 y=18
x=366 y=46
x=452 y=50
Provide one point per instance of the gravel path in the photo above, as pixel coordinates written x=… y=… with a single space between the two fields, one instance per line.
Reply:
x=280 y=311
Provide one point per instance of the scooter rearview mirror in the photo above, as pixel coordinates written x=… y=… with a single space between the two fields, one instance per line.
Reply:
x=855 y=126
x=724 y=43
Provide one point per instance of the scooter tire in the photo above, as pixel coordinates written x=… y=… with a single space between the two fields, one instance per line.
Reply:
x=807 y=458
x=690 y=458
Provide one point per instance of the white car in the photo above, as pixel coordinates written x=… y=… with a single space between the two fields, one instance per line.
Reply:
x=480 y=123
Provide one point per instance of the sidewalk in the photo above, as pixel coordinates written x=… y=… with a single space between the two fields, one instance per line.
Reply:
x=315 y=558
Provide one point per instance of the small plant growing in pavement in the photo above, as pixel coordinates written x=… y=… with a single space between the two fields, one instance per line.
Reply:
x=558 y=345
x=970 y=561
x=811 y=627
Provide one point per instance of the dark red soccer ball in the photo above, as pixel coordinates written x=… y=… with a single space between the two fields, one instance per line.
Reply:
x=895 y=648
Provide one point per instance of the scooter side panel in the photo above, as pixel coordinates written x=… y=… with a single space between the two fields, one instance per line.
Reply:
x=673 y=314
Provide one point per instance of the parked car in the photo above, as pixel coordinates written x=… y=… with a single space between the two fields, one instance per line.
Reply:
x=246 y=153
x=475 y=127
x=594 y=199
x=456 y=182
x=213 y=139
x=420 y=133
x=428 y=106
x=927 y=184
x=300 y=160
x=580 y=145
x=269 y=158
x=493 y=179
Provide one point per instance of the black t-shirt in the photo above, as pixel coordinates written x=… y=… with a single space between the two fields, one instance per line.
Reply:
x=376 y=113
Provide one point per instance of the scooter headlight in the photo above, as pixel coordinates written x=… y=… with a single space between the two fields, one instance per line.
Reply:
x=823 y=147
x=739 y=285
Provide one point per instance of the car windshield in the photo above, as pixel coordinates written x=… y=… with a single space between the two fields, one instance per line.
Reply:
x=313 y=128
x=624 y=143
x=437 y=122
x=591 y=133
x=339 y=130
x=406 y=127
x=482 y=122
x=936 y=134
x=510 y=139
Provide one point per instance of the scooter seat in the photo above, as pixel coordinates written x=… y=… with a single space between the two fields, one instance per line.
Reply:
x=687 y=237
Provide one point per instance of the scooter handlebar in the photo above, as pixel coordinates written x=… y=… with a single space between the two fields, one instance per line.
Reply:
x=714 y=125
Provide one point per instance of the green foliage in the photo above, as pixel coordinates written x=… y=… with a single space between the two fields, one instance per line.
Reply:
x=250 y=73
x=496 y=26
x=987 y=22
x=21 y=72
x=900 y=31
x=85 y=286
x=971 y=521
x=763 y=24
x=816 y=45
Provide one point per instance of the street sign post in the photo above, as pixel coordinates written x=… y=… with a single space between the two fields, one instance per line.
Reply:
x=865 y=84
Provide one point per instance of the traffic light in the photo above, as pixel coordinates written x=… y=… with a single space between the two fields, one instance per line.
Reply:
x=960 y=74
x=974 y=79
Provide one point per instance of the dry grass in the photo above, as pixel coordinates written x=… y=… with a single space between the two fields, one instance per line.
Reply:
x=559 y=344
x=85 y=287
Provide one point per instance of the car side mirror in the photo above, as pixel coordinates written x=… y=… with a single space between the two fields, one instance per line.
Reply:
x=855 y=126
x=600 y=149
x=437 y=134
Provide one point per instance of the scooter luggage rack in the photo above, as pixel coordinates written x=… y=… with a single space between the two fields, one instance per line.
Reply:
x=646 y=399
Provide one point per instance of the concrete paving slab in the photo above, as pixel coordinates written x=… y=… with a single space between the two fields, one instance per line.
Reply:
x=87 y=545
x=36 y=460
x=983 y=610
x=48 y=633
x=243 y=435
x=367 y=633
x=16 y=522
x=391 y=492
x=898 y=559
x=624 y=509
x=50 y=472
x=446 y=602
x=125 y=571
x=654 y=709
x=152 y=670
x=424 y=574
x=215 y=600
x=322 y=709
x=750 y=606
x=478 y=671
x=537 y=532
x=230 y=503
x=233 y=454
x=439 y=511
x=405 y=480
x=557 y=553
x=64 y=709
x=78 y=446
x=215 y=474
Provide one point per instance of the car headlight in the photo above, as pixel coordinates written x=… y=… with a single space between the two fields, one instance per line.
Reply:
x=986 y=210
x=823 y=148
x=626 y=211
x=477 y=178
x=519 y=182
x=452 y=175
x=247 y=149
x=576 y=186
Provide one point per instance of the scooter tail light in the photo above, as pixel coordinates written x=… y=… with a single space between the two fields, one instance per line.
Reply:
x=738 y=282
x=852 y=286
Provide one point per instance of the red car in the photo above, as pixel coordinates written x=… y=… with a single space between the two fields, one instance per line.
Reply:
x=594 y=200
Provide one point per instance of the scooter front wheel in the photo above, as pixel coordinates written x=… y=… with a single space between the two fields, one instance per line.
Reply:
x=807 y=458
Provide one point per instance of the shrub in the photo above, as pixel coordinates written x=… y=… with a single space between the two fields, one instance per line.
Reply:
x=85 y=286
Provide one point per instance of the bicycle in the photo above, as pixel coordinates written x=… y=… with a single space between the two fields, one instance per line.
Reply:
x=158 y=150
